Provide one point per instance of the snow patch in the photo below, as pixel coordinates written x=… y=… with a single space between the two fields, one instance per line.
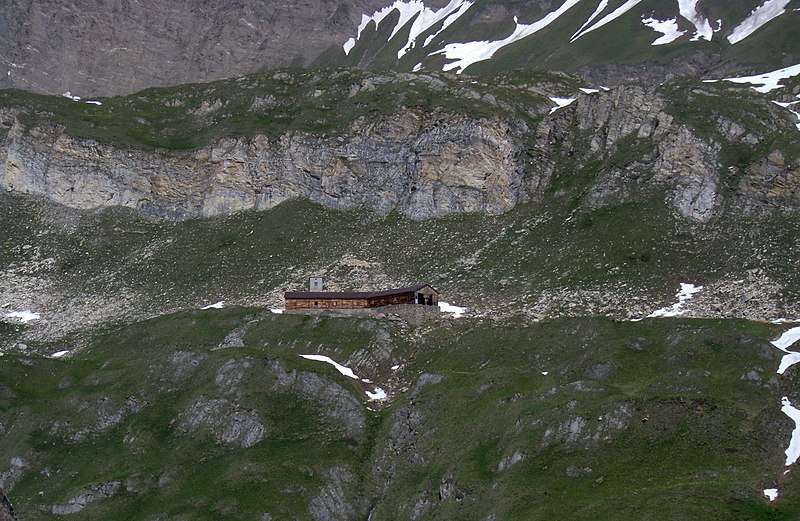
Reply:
x=374 y=395
x=762 y=14
x=684 y=294
x=771 y=493
x=786 y=340
x=24 y=316
x=457 y=311
x=561 y=102
x=59 y=354
x=346 y=371
x=600 y=8
x=613 y=15
x=215 y=305
x=424 y=19
x=544 y=373
x=465 y=54
x=769 y=80
x=395 y=367
x=377 y=394
x=688 y=10
x=93 y=102
x=417 y=67
x=793 y=450
x=668 y=28
x=277 y=311
x=69 y=95
x=588 y=90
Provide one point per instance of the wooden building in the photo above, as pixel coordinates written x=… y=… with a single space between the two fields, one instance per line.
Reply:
x=423 y=294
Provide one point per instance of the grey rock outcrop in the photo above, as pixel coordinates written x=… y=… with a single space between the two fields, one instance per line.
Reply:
x=93 y=493
x=6 y=509
x=224 y=420
x=337 y=406
x=423 y=163
x=332 y=503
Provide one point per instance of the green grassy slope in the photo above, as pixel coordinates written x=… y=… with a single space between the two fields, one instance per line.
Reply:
x=649 y=420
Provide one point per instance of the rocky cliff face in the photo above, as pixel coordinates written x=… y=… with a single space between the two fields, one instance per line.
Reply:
x=423 y=163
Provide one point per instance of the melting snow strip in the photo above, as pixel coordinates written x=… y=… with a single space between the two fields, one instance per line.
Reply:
x=613 y=15
x=668 y=28
x=339 y=367
x=786 y=340
x=24 y=316
x=588 y=90
x=793 y=450
x=688 y=10
x=600 y=8
x=215 y=305
x=376 y=394
x=560 y=102
x=446 y=307
x=424 y=19
x=684 y=294
x=59 y=354
x=465 y=54
x=277 y=311
x=769 y=80
x=761 y=15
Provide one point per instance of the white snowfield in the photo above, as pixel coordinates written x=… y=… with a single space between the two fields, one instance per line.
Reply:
x=215 y=305
x=613 y=15
x=769 y=80
x=688 y=10
x=793 y=450
x=420 y=20
x=465 y=54
x=24 y=316
x=425 y=19
x=376 y=394
x=684 y=294
x=560 y=102
x=786 y=340
x=668 y=28
x=447 y=307
x=346 y=371
x=600 y=8
x=762 y=14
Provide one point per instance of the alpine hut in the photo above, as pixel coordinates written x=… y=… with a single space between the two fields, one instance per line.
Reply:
x=423 y=294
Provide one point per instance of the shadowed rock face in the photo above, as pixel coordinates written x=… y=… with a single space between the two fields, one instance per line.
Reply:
x=104 y=47
x=6 y=510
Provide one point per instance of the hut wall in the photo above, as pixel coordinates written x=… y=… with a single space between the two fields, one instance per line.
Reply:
x=322 y=303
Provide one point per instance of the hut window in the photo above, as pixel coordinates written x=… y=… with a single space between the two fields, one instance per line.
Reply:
x=316 y=303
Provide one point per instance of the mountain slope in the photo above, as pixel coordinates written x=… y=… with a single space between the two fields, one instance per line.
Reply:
x=213 y=415
x=102 y=48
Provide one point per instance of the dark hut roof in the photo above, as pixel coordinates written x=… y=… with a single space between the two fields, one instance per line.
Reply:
x=354 y=294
